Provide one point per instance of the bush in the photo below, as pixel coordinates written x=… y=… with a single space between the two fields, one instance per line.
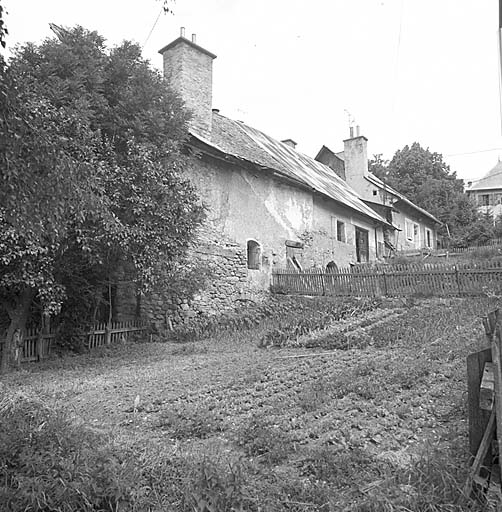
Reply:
x=49 y=463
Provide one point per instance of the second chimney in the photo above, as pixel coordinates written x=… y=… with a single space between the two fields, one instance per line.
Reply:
x=355 y=155
x=289 y=142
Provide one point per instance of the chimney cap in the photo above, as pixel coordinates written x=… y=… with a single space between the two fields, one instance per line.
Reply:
x=216 y=110
x=183 y=40
x=356 y=137
x=289 y=142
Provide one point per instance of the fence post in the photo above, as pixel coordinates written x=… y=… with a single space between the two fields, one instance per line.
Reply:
x=108 y=333
x=384 y=283
x=457 y=278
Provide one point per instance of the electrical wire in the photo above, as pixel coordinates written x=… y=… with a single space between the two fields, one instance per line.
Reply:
x=475 y=152
x=154 y=25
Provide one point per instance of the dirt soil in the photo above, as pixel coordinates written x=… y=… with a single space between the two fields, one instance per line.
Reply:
x=403 y=389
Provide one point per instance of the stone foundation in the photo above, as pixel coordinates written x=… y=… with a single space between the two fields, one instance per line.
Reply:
x=225 y=284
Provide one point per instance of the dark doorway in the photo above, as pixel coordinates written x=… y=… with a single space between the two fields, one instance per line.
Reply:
x=362 y=245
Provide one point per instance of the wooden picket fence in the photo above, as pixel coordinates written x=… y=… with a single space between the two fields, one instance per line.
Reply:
x=37 y=344
x=495 y=245
x=394 y=280
x=108 y=334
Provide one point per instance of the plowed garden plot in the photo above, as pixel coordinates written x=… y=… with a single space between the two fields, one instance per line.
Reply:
x=377 y=422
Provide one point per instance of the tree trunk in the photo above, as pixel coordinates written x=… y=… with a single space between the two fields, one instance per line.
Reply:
x=18 y=316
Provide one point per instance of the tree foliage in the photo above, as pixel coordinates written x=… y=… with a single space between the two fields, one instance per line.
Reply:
x=3 y=28
x=424 y=177
x=91 y=170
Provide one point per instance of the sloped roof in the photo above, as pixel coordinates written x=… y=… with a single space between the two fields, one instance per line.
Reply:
x=492 y=180
x=379 y=183
x=324 y=149
x=237 y=139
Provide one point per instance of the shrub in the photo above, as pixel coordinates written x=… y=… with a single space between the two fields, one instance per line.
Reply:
x=47 y=462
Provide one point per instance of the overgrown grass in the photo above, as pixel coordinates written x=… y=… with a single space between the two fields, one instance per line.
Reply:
x=206 y=452
x=304 y=319
x=47 y=462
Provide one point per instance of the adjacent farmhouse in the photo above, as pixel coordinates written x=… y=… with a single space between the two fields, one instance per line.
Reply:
x=412 y=226
x=268 y=204
x=487 y=192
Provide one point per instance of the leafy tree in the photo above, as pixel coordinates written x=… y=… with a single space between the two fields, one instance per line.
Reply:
x=378 y=166
x=3 y=28
x=423 y=177
x=91 y=173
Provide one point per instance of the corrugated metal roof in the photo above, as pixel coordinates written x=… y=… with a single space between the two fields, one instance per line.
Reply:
x=239 y=140
x=493 y=180
x=379 y=183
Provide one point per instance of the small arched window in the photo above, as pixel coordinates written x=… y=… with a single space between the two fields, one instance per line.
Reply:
x=331 y=267
x=254 y=254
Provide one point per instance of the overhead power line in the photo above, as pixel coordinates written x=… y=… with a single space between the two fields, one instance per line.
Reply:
x=475 y=152
x=153 y=27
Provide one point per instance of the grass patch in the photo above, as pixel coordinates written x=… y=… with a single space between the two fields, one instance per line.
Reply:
x=240 y=428
x=263 y=440
x=47 y=462
x=191 y=422
x=305 y=319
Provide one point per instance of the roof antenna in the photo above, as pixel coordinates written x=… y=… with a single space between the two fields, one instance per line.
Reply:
x=351 y=121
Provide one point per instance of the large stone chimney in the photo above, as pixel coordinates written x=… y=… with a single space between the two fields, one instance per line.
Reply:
x=189 y=69
x=355 y=155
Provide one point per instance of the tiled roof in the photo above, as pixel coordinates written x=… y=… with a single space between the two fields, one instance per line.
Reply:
x=493 y=180
x=239 y=140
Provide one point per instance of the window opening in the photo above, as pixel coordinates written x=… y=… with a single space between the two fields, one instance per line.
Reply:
x=340 y=231
x=428 y=237
x=253 y=253
x=331 y=267
x=412 y=233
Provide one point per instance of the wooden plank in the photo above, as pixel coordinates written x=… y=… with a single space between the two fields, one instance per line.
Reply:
x=481 y=454
x=478 y=419
x=487 y=388
x=497 y=371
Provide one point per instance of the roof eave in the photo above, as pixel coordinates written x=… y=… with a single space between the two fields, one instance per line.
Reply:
x=229 y=157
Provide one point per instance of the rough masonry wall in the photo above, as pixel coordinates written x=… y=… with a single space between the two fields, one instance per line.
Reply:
x=245 y=205
x=220 y=281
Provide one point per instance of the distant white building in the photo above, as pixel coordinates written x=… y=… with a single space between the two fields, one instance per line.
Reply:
x=487 y=192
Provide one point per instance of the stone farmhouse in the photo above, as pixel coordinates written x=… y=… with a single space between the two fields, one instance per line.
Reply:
x=487 y=192
x=414 y=227
x=268 y=205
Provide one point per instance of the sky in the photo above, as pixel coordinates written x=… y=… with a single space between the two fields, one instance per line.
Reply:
x=405 y=71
